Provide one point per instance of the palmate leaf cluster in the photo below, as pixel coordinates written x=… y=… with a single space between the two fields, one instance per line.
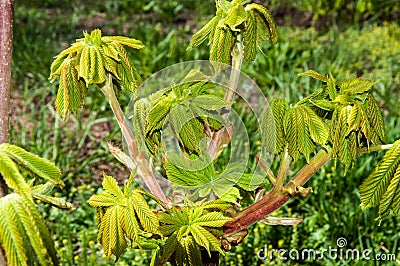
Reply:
x=20 y=224
x=298 y=129
x=89 y=61
x=23 y=233
x=186 y=108
x=188 y=230
x=198 y=174
x=354 y=116
x=122 y=216
x=252 y=22
x=342 y=115
x=382 y=186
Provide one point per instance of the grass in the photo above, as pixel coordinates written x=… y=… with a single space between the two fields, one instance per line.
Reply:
x=78 y=146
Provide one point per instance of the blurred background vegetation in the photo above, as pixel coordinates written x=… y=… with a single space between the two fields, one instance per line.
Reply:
x=342 y=37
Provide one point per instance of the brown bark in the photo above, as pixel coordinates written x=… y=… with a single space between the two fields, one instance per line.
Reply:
x=6 y=21
x=6 y=24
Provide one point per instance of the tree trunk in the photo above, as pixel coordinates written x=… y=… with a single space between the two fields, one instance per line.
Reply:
x=6 y=21
x=6 y=34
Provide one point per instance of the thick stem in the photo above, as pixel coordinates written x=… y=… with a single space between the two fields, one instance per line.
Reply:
x=310 y=169
x=273 y=201
x=237 y=59
x=140 y=159
x=6 y=37
x=259 y=211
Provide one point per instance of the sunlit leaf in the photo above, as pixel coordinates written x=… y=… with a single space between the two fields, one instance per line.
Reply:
x=250 y=38
x=201 y=35
x=88 y=61
x=381 y=186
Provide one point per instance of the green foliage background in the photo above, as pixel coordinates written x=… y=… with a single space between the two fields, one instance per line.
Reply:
x=357 y=37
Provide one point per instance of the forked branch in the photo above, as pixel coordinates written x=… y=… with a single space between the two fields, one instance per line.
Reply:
x=275 y=199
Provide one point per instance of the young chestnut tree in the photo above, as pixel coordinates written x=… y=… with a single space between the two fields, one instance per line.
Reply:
x=338 y=121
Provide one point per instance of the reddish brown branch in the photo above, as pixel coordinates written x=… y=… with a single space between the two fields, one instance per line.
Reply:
x=259 y=210
x=275 y=199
